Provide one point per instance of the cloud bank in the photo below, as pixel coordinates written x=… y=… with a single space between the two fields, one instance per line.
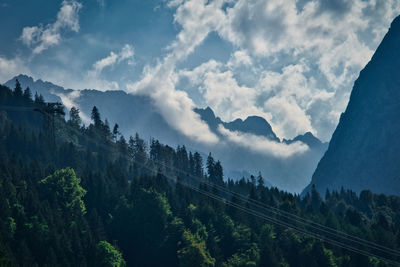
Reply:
x=294 y=62
x=159 y=82
x=262 y=145
x=174 y=105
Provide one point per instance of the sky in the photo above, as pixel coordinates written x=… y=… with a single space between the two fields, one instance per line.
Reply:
x=292 y=62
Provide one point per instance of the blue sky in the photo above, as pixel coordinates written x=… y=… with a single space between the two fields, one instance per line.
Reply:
x=292 y=62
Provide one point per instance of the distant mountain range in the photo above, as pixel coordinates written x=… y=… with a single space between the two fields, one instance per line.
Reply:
x=138 y=114
x=364 y=152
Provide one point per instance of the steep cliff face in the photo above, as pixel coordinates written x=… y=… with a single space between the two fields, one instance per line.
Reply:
x=364 y=152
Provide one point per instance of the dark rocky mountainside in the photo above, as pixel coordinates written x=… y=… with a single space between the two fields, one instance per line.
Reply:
x=364 y=150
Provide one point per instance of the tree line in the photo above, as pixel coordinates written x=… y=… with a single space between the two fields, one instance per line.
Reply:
x=76 y=195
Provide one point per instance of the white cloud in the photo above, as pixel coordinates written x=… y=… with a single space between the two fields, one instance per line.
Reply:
x=93 y=78
x=174 y=3
x=197 y=19
x=12 y=67
x=105 y=62
x=324 y=44
x=42 y=37
x=29 y=35
x=262 y=145
x=261 y=27
x=222 y=92
x=175 y=105
x=239 y=58
x=197 y=75
x=288 y=95
x=288 y=119
x=126 y=53
x=68 y=100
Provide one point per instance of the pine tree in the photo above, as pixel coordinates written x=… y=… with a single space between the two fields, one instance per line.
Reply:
x=17 y=89
x=316 y=199
x=260 y=181
x=198 y=165
x=95 y=116
x=74 y=117
x=211 y=167
x=115 y=132
x=38 y=98
x=131 y=147
x=106 y=130
x=27 y=93
x=219 y=173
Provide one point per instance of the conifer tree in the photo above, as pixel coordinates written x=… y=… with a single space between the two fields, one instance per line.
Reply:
x=219 y=173
x=95 y=116
x=17 y=89
x=211 y=167
x=260 y=180
x=38 y=98
x=74 y=117
x=115 y=132
x=108 y=256
x=198 y=165
x=27 y=93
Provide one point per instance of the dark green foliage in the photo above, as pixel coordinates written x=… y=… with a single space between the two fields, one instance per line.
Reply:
x=63 y=188
x=194 y=252
x=28 y=94
x=108 y=256
x=95 y=116
x=74 y=118
x=135 y=196
x=17 y=89
x=115 y=132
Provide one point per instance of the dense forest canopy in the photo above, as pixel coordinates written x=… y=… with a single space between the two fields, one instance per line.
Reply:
x=75 y=195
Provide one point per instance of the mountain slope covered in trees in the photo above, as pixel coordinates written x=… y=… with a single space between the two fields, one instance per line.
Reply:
x=137 y=114
x=364 y=150
x=72 y=195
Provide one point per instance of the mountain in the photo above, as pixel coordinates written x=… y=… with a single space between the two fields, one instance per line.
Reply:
x=86 y=199
x=364 y=150
x=48 y=90
x=138 y=114
x=254 y=125
x=307 y=138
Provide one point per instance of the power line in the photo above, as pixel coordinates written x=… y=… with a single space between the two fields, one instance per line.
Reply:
x=271 y=219
x=259 y=204
x=295 y=217
x=280 y=223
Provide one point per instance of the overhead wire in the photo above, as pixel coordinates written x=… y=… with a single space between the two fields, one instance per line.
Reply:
x=291 y=216
x=371 y=245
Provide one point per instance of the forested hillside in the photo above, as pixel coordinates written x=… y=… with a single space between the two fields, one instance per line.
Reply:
x=136 y=113
x=72 y=195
